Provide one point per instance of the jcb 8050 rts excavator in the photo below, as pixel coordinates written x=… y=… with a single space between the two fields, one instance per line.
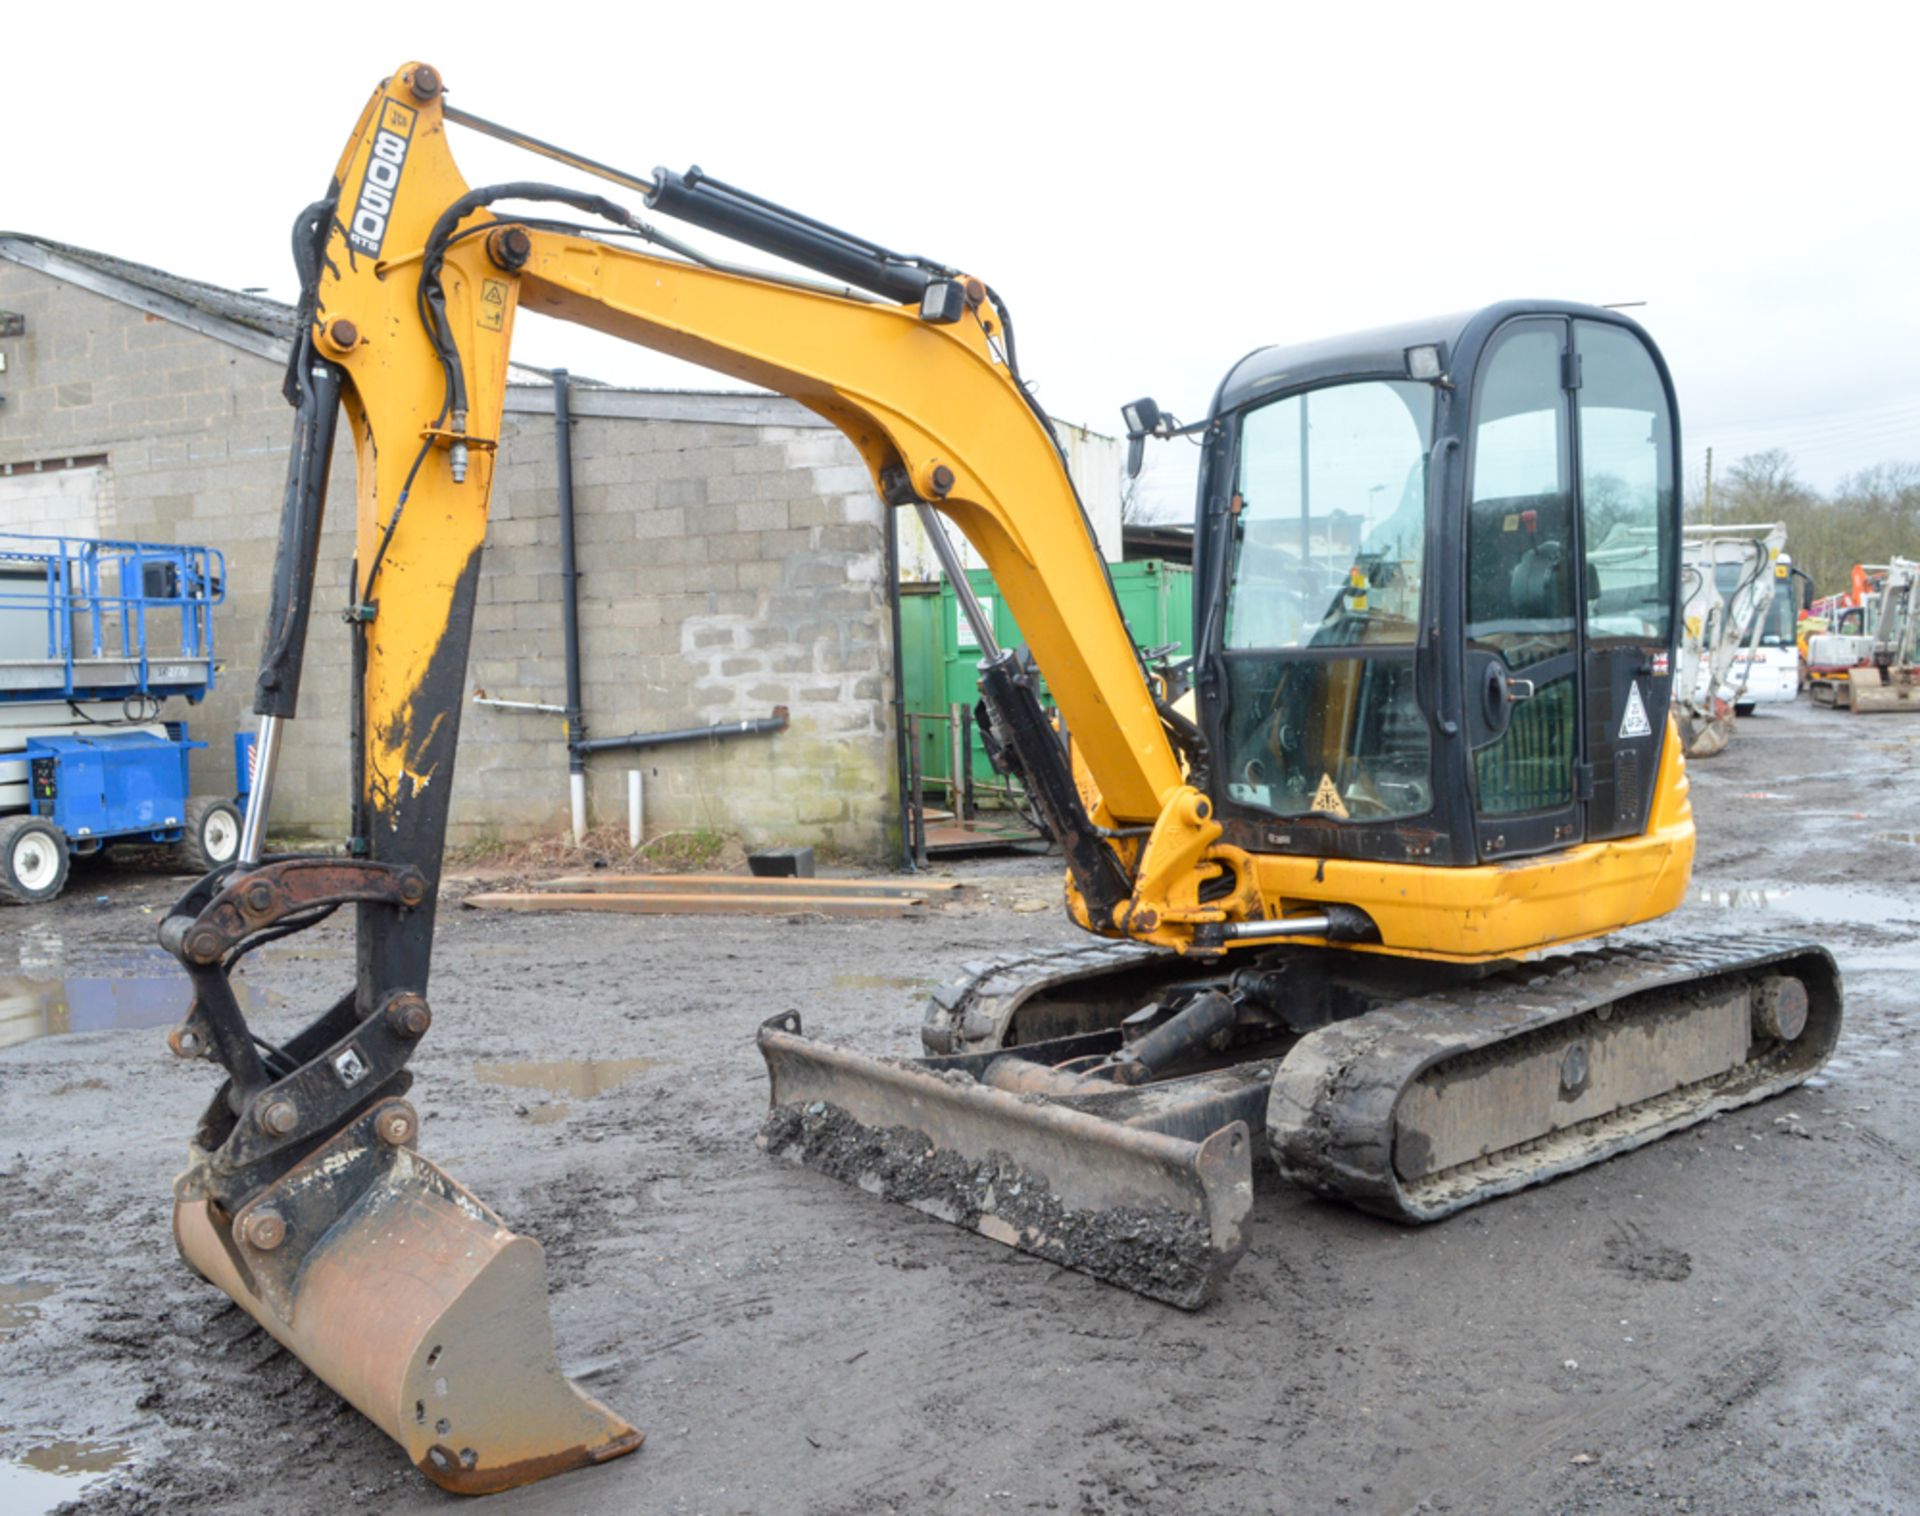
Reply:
x=1428 y=737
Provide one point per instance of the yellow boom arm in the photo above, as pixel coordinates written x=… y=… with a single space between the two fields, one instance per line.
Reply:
x=934 y=410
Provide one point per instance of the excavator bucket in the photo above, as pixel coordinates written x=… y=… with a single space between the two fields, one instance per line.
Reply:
x=410 y=1298
x=1707 y=736
x=1146 y=1189
x=1875 y=689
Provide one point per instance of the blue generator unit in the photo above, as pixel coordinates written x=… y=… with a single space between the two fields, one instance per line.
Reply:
x=96 y=637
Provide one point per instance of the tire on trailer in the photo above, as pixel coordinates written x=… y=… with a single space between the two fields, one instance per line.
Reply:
x=212 y=834
x=33 y=859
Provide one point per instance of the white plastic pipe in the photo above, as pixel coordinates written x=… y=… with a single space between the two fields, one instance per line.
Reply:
x=634 y=810
x=577 y=790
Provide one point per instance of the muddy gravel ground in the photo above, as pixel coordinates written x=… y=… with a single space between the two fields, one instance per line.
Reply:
x=1722 y=1322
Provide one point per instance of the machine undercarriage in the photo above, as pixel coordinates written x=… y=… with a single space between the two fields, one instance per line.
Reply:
x=1103 y=1108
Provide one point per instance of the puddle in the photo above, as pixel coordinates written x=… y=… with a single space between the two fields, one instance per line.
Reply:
x=41 y=949
x=546 y=1115
x=47 y=1476
x=17 y=1305
x=577 y=1078
x=1837 y=903
x=31 y=1008
x=881 y=982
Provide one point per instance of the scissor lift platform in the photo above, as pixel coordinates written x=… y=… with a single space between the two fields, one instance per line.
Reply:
x=96 y=635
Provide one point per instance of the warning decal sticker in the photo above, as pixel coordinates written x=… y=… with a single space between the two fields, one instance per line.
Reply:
x=1635 y=723
x=1327 y=799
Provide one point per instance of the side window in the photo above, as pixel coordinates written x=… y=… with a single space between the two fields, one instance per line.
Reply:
x=1521 y=554
x=1520 y=513
x=1626 y=488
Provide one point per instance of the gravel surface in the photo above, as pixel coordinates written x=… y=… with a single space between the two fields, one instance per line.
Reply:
x=1722 y=1322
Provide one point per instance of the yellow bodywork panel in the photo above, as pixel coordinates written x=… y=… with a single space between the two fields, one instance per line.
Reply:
x=1502 y=910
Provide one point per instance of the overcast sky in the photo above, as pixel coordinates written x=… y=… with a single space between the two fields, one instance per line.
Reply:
x=1154 y=189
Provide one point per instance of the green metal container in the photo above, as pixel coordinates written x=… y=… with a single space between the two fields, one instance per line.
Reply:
x=939 y=657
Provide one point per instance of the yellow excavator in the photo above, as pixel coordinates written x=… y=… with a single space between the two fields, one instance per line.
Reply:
x=1424 y=740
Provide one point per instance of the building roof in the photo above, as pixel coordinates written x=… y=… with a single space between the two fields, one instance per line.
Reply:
x=246 y=320
x=253 y=322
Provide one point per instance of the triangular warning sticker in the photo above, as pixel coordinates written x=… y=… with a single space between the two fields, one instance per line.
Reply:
x=1327 y=799
x=1635 y=724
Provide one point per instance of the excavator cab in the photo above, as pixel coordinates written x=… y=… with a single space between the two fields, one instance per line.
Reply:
x=1436 y=585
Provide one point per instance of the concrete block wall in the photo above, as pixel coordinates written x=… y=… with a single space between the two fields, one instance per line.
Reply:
x=728 y=566
x=195 y=433
x=731 y=551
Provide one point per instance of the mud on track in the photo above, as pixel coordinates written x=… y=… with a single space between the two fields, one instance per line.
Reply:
x=1722 y=1322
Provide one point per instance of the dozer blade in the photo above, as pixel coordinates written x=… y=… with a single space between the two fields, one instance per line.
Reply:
x=413 y=1300
x=1871 y=690
x=1147 y=1190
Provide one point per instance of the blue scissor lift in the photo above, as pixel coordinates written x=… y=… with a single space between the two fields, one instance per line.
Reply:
x=95 y=637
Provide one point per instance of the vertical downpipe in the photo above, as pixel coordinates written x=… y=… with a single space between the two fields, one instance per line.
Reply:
x=570 y=606
x=899 y=689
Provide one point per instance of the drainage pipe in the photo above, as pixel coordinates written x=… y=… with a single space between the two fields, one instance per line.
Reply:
x=777 y=722
x=899 y=692
x=570 y=605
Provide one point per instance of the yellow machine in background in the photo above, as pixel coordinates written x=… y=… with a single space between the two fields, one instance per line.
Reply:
x=1429 y=736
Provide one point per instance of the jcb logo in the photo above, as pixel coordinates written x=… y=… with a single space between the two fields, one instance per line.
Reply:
x=368 y=229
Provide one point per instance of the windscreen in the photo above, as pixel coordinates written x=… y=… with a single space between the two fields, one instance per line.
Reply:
x=1330 y=535
x=1332 y=518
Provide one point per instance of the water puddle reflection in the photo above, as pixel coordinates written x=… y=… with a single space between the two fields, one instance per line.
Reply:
x=17 y=1303
x=52 y=1473
x=573 y=1078
x=1811 y=902
x=31 y=1008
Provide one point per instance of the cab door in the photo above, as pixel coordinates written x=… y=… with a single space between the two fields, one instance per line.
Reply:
x=1572 y=529
x=1626 y=443
x=1523 y=683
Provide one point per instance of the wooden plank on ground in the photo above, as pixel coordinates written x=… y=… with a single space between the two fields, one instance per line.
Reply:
x=715 y=903
x=745 y=884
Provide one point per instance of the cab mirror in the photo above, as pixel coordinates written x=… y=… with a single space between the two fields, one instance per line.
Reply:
x=1141 y=417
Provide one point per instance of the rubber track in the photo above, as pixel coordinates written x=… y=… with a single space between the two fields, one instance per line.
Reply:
x=971 y=1014
x=1331 y=1116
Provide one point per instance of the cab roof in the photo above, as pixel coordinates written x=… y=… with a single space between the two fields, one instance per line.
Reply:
x=1382 y=352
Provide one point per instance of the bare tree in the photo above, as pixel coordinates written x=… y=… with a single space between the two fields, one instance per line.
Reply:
x=1872 y=515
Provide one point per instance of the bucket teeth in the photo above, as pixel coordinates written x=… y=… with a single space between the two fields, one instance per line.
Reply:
x=408 y=1296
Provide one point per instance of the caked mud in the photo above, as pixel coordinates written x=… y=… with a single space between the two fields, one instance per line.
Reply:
x=1149 y=1250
